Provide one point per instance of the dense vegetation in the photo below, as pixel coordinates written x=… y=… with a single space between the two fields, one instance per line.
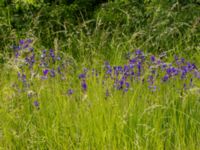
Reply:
x=100 y=74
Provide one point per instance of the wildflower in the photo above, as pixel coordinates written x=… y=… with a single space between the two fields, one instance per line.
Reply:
x=43 y=53
x=138 y=52
x=132 y=61
x=176 y=58
x=70 y=92
x=190 y=66
x=139 y=66
x=150 y=79
x=127 y=87
x=84 y=85
x=21 y=42
x=168 y=71
x=153 y=58
x=16 y=54
x=153 y=88
x=25 y=46
x=120 y=84
x=45 y=72
x=158 y=62
x=36 y=104
x=165 y=78
x=82 y=76
x=164 y=65
x=182 y=60
x=58 y=58
x=23 y=78
x=197 y=74
x=126 y=68
x=29 y=41
x=183 y=75
x=53 y=74
x=51 y=52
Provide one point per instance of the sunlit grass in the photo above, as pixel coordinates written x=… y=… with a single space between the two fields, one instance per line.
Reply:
x=139 y=119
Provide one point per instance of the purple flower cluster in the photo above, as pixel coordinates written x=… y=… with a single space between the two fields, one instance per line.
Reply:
x=82 y=77
x=153 y=70
x=139 y=68
x=48 y=63
x=34 y=63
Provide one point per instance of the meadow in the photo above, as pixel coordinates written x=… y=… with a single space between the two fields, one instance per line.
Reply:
x=123 y=76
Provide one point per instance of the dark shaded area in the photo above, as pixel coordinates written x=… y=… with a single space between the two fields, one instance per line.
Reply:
x=156 y=25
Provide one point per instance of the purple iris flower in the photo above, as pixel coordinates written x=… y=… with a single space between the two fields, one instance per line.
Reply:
x=150 y=79
x=165 y=78
x=118 y=70
x=138 y=52
x=182 y=60
x=84 y=85
x=131 y=66
x=70 y=92
x=126 y=68
x=51 y=52
x=82 y=76
x=153 y=58
x=194 y=66
x=43 y=53
x=190 y=66
x=53 y=74
x=127 y=85
x=158 y=62
x=21 y=42
x=25 y=46
x=197 y=74
x=120 y=85
x=58 y=58
x=32 y=58
x=16 y=54
x=29 y=41
x=164 y=65
x=23 y=77
x=168 y=71
x=185 y=69
x=36 y=104
x=133 y=61
x=59 y=70
x=176 y=58
x=109 y=71
x=139 y=66
x=183 y=75
x=45 y=72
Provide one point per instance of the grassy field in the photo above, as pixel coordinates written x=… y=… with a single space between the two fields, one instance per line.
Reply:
x=126 y=79
x=90 y=108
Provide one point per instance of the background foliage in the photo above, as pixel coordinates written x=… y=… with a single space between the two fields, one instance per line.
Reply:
x=152 y=25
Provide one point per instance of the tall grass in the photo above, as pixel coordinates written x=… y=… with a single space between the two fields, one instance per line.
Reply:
x=168 y=118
